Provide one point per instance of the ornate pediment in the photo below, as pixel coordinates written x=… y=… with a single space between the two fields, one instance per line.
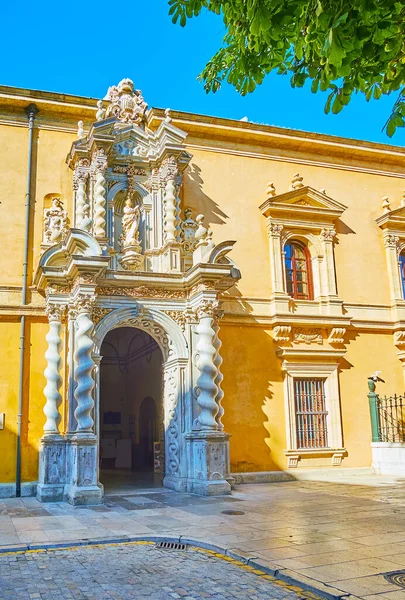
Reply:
x=302 y=205
x=393 y=220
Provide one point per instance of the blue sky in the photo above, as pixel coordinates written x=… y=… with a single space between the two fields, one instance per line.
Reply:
x=84 y=47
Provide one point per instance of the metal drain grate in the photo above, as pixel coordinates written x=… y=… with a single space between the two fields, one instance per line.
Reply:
x=171 y=546
x=396 y=577
x=232 y=512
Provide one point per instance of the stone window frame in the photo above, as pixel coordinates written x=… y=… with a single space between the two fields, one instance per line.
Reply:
x=327 y=371
x=309 y=216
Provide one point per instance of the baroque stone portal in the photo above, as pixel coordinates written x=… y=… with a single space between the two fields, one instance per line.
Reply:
x=134 y=258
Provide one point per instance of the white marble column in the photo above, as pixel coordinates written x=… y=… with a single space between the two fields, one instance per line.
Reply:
x=207 y=389
x=54 y=363
x=99 y=204
x=218 y=379
x=170 y=211
x=84 y=366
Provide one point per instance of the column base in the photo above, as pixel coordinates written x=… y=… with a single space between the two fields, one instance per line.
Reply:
x=178 y=484
x=52 y=469
x=82 y=468
x=208 y=459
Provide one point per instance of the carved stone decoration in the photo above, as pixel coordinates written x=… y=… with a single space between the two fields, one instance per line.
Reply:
x=337 y=335
x=386 y=204
x=83 y=220
x=275 y=229
x=141 y=292
x=328 y=235
x=80 y=130
x=218 y=379
x=84 y=364
x=270 y=190
x=391 y=241
x=207 y=390
x=54 y=362
x=126 y=103
x=180 y=316
x=55 y=223
x=170 y=222
x=100 y=114
x=131 y=258
x=399 y=339
x=99 y=204
x=99 y=313
x=172 y=429
x=308 y=336
x=282 y=333
x=203 y=241
x=142 y=321
x=296 y=182
x=188 y=228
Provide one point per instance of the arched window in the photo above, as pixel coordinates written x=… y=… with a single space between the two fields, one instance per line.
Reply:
x=402 y=271
x=298 y=271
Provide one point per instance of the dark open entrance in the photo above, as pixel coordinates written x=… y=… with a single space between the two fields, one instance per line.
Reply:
x=130 y=427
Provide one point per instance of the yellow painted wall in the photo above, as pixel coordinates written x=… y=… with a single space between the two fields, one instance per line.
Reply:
x=227 y=189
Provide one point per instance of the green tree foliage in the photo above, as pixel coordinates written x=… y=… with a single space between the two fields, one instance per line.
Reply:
x=344 y=46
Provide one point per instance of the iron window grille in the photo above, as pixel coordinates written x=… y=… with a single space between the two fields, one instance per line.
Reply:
x=391 y=417
x=310 y=413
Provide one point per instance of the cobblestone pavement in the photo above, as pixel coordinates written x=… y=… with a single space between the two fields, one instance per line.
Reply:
x=133 y=570
x=344 y=534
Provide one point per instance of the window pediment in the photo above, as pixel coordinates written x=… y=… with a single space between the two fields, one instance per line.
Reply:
x=303 y=204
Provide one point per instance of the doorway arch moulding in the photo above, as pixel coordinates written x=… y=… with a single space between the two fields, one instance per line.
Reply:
x=146 y=268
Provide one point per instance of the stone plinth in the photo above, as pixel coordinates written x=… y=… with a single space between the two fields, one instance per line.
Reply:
x=52 y=469
x=208 y=459
x=82 y=470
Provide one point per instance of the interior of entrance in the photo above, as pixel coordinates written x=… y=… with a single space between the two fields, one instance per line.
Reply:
x=130 y=411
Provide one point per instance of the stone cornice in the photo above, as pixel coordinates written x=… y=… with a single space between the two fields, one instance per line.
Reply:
x=58 y=110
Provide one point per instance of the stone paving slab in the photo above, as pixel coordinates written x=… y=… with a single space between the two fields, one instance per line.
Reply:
x=141 y=571
x=341 y=535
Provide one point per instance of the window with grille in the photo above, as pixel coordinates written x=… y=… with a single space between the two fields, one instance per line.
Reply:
x=310 y=413
x=298 y=271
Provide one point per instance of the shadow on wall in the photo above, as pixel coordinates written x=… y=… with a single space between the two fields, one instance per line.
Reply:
x=253 y=400
x=200 y=201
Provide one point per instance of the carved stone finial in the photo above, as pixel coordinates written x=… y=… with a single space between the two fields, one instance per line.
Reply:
x=126 y=103
x=323 y=191
x=100 y=114
x=386 y=205
x=270 y=190
x=188 y=228
x=80 y=130
x=202 y=232
x=296 y=182
x=55 y=223
x=168 y=118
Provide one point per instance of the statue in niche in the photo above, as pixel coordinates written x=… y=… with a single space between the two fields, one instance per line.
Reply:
x=130 y=224
x=188 y=229
x=131 y=256
x=55 y=222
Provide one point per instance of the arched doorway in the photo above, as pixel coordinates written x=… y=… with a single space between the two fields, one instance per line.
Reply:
x=131 y=411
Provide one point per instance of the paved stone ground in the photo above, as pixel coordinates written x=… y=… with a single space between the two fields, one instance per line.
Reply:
x=344 y=534
x=133 y=570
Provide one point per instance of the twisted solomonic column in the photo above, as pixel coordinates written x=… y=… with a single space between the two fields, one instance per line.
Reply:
x=207 y=389
x=171 y=211
x=99 y=204
x=218 y=379
x=54 y=363
x=82 y=220
x=84 y=366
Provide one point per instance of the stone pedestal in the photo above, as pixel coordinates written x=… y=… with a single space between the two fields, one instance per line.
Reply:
x=52 y=469
x=82 y=470
x=208 y=459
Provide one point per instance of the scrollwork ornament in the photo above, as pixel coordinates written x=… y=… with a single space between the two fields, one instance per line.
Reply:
x=208 y=308
x=391 y=241
x=328 y=235
x=275 y=229
x=54 y=312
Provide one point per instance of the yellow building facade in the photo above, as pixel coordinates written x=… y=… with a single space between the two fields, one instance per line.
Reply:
x=151 y=258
